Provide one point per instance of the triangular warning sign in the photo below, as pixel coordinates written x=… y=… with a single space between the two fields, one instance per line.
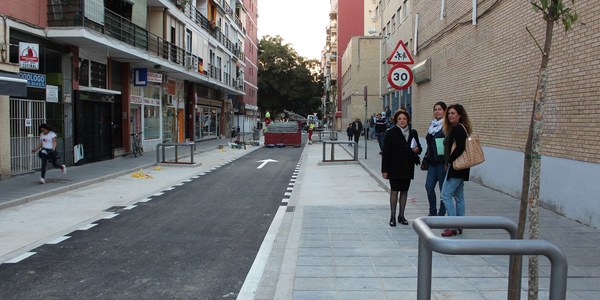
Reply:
x=400 y=55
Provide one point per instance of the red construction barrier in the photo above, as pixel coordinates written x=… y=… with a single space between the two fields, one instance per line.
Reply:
x=286 y=138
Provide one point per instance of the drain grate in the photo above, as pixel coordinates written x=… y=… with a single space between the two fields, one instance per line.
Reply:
x=290 y=209
x=114 y=208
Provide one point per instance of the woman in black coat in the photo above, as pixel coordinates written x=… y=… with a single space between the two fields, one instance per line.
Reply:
x=401 y=148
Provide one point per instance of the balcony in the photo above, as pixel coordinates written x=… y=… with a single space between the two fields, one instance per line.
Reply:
x=69 y=13
x=199 y=19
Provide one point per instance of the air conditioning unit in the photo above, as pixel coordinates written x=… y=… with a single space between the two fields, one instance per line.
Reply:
x=189 y=62
x=240 y=83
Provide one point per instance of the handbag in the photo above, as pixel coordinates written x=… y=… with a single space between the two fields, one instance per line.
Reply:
x=425 y=164
x=473 y=154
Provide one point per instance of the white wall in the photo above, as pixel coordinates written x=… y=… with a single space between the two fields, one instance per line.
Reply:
x=569 y=187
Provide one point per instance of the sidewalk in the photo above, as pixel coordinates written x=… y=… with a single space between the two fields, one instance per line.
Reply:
x=335 y=242
x=25 y=188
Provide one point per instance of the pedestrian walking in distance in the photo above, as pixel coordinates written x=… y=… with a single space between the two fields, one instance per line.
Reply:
x=47 y=148
x=350 y=131
x=401 y=148
x=358 y=128
x=456 y=127
x=436 y=170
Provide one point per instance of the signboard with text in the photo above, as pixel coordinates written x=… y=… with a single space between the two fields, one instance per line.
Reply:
x=29 y=56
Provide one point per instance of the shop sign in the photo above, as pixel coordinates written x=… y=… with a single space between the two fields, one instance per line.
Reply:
x=135 y=99
x=34 y=80
x=152 y=101
x=140 y=77
x=29 y=57
x=155 y=77
x=51 y=93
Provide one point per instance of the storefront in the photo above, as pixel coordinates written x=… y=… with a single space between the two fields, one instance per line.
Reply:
x=146 y=114
x=208 y=119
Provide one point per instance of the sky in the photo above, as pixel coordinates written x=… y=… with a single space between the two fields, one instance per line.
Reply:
x=300 y=23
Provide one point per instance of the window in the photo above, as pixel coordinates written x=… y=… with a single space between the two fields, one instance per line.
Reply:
x=405 y=9
x=188 y=40
x=393 y=22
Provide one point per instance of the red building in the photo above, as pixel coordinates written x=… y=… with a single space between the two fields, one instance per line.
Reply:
x=350 y=23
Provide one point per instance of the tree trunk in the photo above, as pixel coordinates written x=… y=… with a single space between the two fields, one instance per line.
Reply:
x=534 y=185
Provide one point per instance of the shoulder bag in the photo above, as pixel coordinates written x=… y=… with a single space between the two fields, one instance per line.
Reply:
x=473 y=154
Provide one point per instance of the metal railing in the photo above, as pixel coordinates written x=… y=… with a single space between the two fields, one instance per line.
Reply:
x=70 y=13
x=160 y=150
x=333 y=143
x=429 y=242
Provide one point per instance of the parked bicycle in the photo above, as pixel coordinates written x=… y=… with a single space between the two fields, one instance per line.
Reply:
x=136 y=144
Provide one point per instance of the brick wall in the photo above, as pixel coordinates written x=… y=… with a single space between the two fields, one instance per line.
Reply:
x=491 y=68
x=33 y=12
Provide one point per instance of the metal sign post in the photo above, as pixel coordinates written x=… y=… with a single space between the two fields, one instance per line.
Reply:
x=366 y=128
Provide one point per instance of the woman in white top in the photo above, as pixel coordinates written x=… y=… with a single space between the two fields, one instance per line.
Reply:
x=48 y=150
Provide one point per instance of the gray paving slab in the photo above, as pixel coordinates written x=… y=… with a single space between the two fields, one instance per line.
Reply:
x=341 y=213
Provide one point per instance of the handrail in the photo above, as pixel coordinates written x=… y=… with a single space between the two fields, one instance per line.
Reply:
x=162 y=147
x=429 y=242
x=333 y=143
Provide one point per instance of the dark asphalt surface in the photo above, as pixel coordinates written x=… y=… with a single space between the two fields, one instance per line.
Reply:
x=196 y=241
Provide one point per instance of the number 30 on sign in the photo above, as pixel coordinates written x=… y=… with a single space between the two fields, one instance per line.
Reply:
x=400 y=77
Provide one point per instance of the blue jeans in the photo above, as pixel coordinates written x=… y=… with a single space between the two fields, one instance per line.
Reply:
x=435 y=174
x=453 y=191
x=380 y=136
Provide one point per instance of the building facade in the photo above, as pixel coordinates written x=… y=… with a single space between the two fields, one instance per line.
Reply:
x=248 y=108
x=350 y=22
x=359 y=87
x=488 y=62
x=168 y=70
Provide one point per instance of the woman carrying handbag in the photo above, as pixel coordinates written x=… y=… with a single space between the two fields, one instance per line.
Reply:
x=457 y=127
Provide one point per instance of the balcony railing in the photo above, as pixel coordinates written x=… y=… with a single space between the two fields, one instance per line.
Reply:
x=69 y=13
x=197 y=17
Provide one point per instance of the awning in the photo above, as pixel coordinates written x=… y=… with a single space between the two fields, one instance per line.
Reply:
x=12 y=85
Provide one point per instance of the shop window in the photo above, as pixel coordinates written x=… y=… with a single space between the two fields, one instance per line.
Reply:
x=151 y=122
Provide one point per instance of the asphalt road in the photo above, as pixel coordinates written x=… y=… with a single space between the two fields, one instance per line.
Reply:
x=195 y=241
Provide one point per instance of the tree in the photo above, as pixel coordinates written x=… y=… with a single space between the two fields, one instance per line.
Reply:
x=287 y=81
x=552 y=11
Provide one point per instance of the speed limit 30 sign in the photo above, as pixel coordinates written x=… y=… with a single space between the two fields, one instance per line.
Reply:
x=400 y=77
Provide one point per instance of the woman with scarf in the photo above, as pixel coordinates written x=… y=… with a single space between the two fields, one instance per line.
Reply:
x=435 y=158
x=401 y=149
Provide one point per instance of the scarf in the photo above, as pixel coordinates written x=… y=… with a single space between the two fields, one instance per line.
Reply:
x=405 y=132
x=436 y=125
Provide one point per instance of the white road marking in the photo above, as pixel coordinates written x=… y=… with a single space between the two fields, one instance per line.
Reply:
x=146 y=200
x=110 y=216
x=130 y=207
x=58 y=240
x=258 y=266
x=20 y=258
x=87 y=226
x=158 y=194
x=287 y=194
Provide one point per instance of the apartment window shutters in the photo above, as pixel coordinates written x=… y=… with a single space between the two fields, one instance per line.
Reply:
x=94 y=11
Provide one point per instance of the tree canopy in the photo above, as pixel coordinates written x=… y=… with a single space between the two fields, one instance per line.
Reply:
x=287 y=81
